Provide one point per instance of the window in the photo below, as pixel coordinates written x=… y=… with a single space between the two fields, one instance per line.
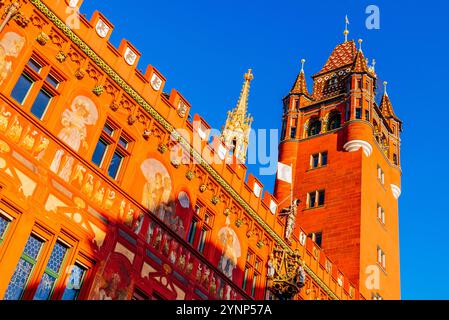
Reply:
x=318 y=160
x=334 y=121
x=24 y=268
x=380 y=214
x=293 y=132
x=112 y=150
x=22 y=88
x=381 y=258
x=52 y=272
x=74 y=282
x=314 y=128
x=200 y=227
x=395 y=159
x=192 y=232
x=315 y=199
x=358 y=113
x=252 y=274
x=316 y=237
x=367 y=116
x=202 y=240
x=39 y=83
x=359 y=84
x=380 y=175
x=4 y=224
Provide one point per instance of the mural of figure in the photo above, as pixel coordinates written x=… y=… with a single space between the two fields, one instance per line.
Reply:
x=231 y=249
x=114 y=283
x=15 y=130
x=82 y=113
x=5 y=115
x=10 y=47
x=158 y=186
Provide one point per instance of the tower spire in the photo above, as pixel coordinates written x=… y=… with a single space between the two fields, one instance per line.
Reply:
x=385 y=88
x=242 y=104
x=300 y=85
x=235 y=134
x=346 y=32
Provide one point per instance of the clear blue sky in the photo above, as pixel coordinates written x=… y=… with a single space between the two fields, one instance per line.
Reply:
x=204 y=47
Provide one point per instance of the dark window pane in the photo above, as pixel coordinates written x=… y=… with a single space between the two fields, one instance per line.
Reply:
x=335 y=122
x=202 y=241
x=192 y=231
x=40 y=104
x=367 y=115
x=324 y=159
x=53 y=81
x=315 y=160
x=115 y=165
x=315 y=128
x=312 y=198
x=293 y=132
x=36 y=66
x=99 y=152
x=74 y=283
x=123 y=142
x=253 y=289
x=245 y=279
x=108 y=129
x=321 y=198
x=22 y=88
x=45 y=287
x=358 y=113
x=318 y=238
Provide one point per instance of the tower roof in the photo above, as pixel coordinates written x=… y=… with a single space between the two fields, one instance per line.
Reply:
x=343 y=55
x=360 y=65
x=386 y=107
x=300 y=85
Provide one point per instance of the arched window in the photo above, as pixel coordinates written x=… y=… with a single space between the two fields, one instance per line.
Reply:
x=334 y=121
x=314 y=127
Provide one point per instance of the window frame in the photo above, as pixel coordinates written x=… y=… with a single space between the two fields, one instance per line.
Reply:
x=39 y=84
x=113 y=146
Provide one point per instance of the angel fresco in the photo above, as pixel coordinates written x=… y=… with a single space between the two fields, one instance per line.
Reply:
x=231 y=249
x=10 y=47
x=82 y=113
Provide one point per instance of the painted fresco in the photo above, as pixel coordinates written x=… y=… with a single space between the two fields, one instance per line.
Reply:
x=231 y=249
x=10 y=47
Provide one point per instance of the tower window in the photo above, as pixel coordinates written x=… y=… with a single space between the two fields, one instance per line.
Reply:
x=315 y=128
x=318 y=160
x=293 y=132
x=233 y=146
x=315 y=199
x=380 y=214
x=380 y=175
x=381 y=258
x=316 y=237
x=358 y=113
x=395 y=159
x=334 y=121
x=367 y=115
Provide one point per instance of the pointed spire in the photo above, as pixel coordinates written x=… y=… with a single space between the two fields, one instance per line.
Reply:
x=300 y=86
x=360 y=64
x=385 y=104
x=242 y=104
x=385 y=88
x=346 y=32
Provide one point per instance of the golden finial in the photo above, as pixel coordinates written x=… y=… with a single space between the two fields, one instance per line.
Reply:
x=302 y=64
x=385 y=87
x=360 y=44
x=249 y=76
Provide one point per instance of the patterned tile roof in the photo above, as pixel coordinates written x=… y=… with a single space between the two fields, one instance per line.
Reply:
x=343 y=54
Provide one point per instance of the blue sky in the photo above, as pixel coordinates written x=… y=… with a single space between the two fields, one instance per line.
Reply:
x=205 y=47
